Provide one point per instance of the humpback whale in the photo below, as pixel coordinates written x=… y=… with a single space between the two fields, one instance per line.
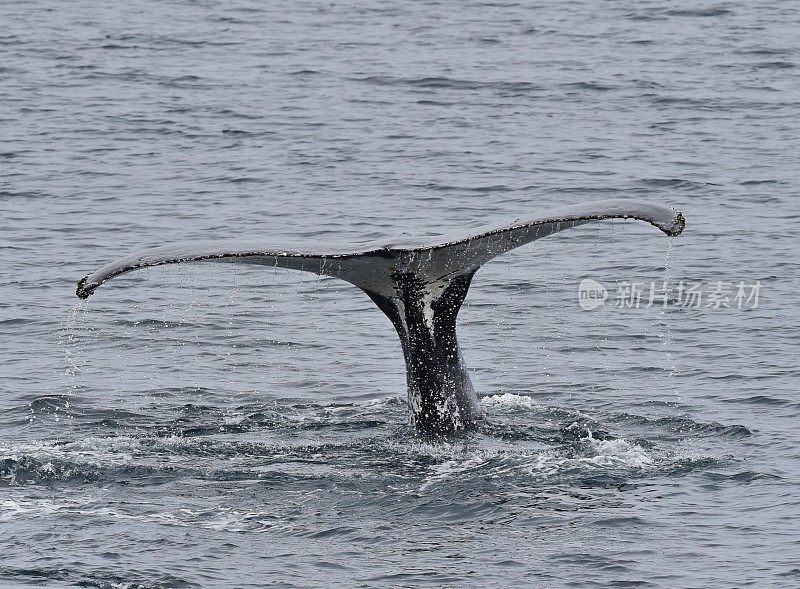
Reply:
x=420 y=288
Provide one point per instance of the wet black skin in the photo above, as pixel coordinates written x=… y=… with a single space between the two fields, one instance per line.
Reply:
x=441 y=398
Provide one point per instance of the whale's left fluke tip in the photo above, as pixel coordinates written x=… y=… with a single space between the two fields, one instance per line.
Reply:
x=83 y=291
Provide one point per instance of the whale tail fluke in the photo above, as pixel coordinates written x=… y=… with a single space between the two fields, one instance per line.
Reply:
x=419 y=287
x=368 y=267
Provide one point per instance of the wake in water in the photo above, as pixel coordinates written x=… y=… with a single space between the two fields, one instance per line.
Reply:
x=524 y=442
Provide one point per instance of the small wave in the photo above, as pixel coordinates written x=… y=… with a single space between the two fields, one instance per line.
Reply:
x=764 y=51
x=676 y=183
x=685 y=425
x=31 y=471
x=757 y=182
x=435 y=103
x=27 y=194
x=591 y=86
x=743 y=477
x=305 y=73
x=492 y=188
x=50 y=404
x=774 y=65
x=100 y=580
x=113 y=46
x=16 y=321
x=451 y=84
x=42 y=461
x=645 y=17
x=699 y=12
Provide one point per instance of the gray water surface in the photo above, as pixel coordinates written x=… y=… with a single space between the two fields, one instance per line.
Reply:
x=218 y=425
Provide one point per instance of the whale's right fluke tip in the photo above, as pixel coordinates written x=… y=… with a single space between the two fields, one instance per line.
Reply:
x=678 y=225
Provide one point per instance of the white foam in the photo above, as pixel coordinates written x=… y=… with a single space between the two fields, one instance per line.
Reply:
x=234 y=419
x=220 y=519
x=619 y=452
x=112 y=450
x=509 y=401
x=13 y=509
x=597 y=455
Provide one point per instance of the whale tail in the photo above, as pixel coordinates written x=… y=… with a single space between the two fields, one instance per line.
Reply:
x=420 y=288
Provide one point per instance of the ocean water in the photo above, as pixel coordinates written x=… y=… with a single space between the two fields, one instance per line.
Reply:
x=218 y=425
